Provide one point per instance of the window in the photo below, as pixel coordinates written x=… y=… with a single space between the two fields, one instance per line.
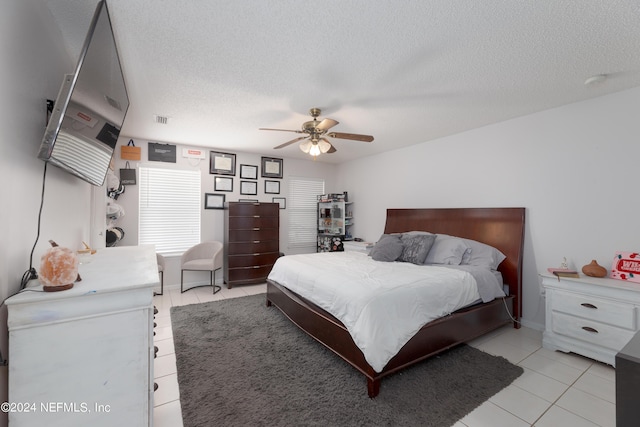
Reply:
x=169 y=209
x=301 y=207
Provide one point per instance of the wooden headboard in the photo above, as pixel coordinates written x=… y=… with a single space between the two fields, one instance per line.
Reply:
x=502 y=228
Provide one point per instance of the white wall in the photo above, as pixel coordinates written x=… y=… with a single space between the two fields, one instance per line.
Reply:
x=33 y=66
x=213 y=219
x=574 y=168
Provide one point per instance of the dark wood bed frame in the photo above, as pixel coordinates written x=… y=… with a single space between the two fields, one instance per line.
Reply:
x=502 y=228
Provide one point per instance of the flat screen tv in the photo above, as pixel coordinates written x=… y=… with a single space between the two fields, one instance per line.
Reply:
x=88 y=113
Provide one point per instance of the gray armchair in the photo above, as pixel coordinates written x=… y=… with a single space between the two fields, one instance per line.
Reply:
x=206 y=256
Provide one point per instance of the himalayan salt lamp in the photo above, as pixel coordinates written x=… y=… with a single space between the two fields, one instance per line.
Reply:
x=58 y=268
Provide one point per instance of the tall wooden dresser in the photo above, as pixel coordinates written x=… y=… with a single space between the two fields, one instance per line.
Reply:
x=252 y=241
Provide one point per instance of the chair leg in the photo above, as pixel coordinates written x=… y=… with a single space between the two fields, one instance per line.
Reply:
x=181 y=281
x=216 y=288
x=161 y=284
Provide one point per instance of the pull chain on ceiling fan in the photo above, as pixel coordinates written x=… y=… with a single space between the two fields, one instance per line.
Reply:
x=316 y=131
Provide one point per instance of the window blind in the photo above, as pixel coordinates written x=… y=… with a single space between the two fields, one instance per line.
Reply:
x=169 y=209
x=301 y=207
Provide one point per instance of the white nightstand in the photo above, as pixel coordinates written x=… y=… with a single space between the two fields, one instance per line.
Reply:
x=594 y=317
x=363 y=247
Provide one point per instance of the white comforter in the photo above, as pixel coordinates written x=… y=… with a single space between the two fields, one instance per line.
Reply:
x=382 y=304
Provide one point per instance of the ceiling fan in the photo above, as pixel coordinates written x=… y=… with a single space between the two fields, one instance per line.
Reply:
x=316 y=132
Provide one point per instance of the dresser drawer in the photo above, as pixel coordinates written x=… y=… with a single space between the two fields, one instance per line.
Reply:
x=262 y=246
x=251 y=222
x=255 y=273
x=591 y=332
x=253 y=259
x=253 y=209
x=257 y=235
x=595 y=309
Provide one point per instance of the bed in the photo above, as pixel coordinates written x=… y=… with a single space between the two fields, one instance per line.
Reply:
x=501 y=228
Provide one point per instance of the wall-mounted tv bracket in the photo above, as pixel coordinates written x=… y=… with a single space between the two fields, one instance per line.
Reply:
x=50 y=104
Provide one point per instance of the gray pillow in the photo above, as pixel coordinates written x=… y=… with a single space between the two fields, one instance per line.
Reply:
x=416 y=247
x=446 y=250
x=482 y=255
x=388 y=249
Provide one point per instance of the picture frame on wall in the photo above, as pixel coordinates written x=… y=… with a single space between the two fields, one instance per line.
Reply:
x=222 y=163
x=249 y=188
x=271 y=167
x=271 y=187
x=280 y=201
x=248 y=172
x=214 y=201
x=223 y=183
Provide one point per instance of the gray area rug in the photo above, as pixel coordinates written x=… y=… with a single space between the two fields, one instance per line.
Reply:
x=241 y=363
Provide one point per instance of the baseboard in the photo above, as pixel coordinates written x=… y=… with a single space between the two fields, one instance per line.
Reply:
x=532 y=325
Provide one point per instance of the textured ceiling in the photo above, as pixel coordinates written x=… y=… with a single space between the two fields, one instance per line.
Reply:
x=405 y=72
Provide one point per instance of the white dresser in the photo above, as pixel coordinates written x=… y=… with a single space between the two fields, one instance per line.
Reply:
x=84 y=356
x=594 y=317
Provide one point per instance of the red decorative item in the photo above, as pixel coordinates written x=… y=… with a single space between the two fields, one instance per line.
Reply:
x=626 y=266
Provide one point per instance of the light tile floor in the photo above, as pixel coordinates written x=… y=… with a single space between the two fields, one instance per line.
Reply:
x=556 y=389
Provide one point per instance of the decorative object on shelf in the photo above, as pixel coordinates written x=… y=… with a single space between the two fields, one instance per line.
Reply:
x=58 y=268
x=271 y=167
x=563 y=270
x=214 y=201
x=84 y=255
x=222 y=163
x=594 y=269
x=626 y=266
x=162 y=152
x=248 y=172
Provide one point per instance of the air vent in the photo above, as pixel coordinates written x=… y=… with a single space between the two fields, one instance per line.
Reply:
x=163 y=120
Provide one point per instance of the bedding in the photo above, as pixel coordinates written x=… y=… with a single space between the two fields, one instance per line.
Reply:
x=383 y=304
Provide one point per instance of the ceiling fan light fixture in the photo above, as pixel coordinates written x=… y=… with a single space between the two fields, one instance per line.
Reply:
x=315 y=150
x=324 y=145
x=306 y=146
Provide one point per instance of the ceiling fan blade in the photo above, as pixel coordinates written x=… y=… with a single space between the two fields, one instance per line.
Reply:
x=332 y=150
x=354 y=136
x=326 y=124
x=283 y=130
x=289 y=142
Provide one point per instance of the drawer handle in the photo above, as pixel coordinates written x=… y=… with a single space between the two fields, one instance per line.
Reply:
x=587 y=305
x=589 y=329
x=256 y=241
x=257 y=266
x=256 y=229
x=256 y=216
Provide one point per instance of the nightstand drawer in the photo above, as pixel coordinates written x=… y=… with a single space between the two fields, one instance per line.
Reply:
x=595 y=309
x=591 y=332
